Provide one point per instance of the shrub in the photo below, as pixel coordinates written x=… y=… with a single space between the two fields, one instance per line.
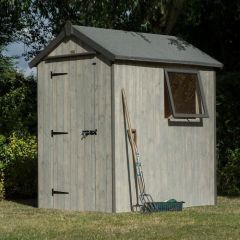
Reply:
x=19 y=163
x=2 y=187
x=2 y=165
x=18 y=109
x=228 y=133
x=229 y=175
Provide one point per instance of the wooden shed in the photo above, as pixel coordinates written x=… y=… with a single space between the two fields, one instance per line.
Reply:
x=84 y=157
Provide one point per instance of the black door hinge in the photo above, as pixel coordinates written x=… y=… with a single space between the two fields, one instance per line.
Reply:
x=57 y=133
x=57 y=74
x=58 y=192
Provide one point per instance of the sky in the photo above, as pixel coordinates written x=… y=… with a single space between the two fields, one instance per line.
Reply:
x=17 y=49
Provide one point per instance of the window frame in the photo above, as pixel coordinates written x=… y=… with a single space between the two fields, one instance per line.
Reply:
x=199 y=90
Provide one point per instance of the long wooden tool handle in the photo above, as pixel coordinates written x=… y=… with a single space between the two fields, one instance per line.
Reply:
x=131 y=139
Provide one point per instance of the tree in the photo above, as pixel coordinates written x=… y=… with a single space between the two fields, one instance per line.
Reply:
x=18 y=126
x=12 y=19
x=46 y=18
x=18 y=99
x=228 y=133
x=213 y=27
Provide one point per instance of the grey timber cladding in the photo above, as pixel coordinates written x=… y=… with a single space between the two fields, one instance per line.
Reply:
x=136 y=46
x=178 y=158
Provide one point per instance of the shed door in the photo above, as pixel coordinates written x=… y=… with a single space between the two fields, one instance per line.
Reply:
x=73 y=155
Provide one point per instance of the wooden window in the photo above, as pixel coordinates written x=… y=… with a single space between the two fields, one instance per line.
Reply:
x=184 y=97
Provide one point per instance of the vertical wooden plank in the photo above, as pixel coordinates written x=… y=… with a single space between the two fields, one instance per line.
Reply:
x=108 y=128
x=66 y=137
x=49 y=125
x=41 y=172
x=59 y=116
x=44 y=141
x=54 y=150
x=58 y=150
x=99 y=118
x=73 y=130
x=103 y=138
x=89 y=157
x=215 y=139
x=117 y=76
x=112 y=169
x=80 y=144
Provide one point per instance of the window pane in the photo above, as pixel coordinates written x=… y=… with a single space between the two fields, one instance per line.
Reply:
x=184 y=92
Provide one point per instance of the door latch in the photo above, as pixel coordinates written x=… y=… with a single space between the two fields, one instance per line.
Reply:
x=85 y=133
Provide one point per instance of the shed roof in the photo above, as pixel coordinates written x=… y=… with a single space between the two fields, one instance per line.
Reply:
x=135 y=46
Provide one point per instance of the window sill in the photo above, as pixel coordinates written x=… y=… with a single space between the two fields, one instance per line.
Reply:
x=187 y=120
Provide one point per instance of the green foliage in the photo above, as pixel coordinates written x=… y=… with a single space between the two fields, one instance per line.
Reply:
x=47 y=18
x=18 y=149
x=228 y=133
x=18 y=107
x=213 y=27
x=7 y=71
x=2 y=167
x=18 y=99
x=229 y=174
x=228 y=105
x=12 y=19
x=2 y=143
x=18 y=161
x=2 y=186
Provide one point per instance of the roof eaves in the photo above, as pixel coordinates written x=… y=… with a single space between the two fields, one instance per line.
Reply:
x=154 y=60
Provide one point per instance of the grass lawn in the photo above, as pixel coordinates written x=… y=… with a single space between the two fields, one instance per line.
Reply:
x=19 y=221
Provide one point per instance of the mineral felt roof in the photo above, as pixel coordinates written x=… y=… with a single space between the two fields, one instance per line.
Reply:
x=135 y=46
x=148 y=47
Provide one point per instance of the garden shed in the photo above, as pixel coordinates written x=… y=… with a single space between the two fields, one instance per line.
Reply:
x=84 y=157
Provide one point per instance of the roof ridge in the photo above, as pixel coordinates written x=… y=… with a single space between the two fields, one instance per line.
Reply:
x=122 y=30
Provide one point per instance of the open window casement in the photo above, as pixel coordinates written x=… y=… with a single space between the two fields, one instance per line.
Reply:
x=184 y=96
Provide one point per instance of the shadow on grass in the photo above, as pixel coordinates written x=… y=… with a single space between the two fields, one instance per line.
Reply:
x=25 y=201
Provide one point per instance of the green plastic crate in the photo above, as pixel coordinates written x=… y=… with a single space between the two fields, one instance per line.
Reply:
x=170 y=205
